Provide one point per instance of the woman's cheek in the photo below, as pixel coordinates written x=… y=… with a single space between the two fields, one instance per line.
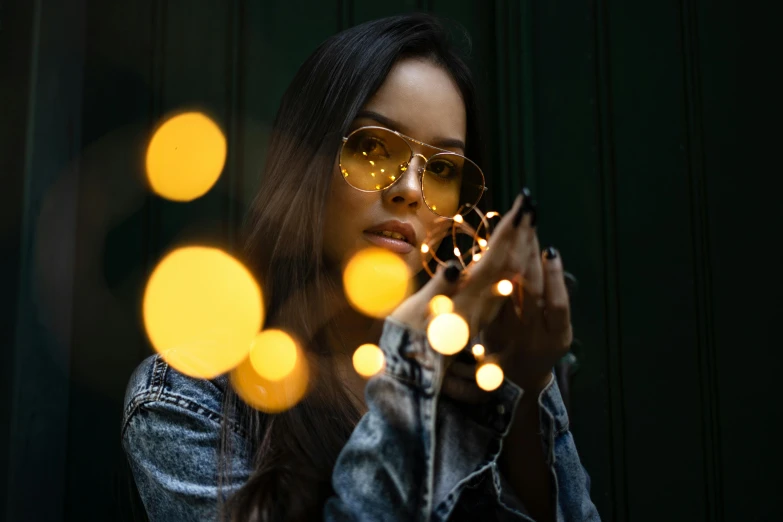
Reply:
x=346 y=212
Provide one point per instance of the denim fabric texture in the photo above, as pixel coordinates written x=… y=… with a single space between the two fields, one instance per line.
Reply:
x=415 y=456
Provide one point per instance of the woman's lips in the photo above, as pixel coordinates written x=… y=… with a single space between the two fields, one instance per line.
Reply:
x=395 y=245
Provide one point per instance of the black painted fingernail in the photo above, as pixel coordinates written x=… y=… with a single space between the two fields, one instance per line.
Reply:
x=529 y=205
x=452 y=272
x=550 y=253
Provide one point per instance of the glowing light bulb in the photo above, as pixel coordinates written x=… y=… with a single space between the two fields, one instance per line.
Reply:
x=458 y=218
x=491 y=214
x=489 y=376
x=372 y=163
x=448 y=333
x=440 y=304
x=457 y=252
x=478 y=350
x=425 y=248
x=476 y=257
x=185 y=157
x=368 y=360
x=273 y=354
x=505 y=287
x=482 y=242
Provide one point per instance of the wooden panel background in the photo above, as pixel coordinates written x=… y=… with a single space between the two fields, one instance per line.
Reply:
x=622 y=117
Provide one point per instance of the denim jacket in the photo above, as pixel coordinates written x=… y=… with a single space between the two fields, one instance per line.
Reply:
x=396 y=466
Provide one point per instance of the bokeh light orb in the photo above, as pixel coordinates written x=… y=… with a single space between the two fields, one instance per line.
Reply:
x=478 y=350
x=489 y=376
x=368 y=360
x=201 y=310
x=448 y=333
x=376 y=280
x=273 y=354
x=505 y=287
x=267 y=395
x=440 y=304
x=185 y=157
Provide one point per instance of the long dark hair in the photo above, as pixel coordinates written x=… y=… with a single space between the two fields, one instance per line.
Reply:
x=294 y=452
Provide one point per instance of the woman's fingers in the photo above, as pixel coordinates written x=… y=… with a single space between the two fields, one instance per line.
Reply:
x=558 y=312
x=508 y=253
x=493 y=263
x=510 y=221
x=530 y=292
x=507 y=250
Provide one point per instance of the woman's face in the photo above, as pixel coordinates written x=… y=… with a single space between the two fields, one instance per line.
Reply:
x=422 y=101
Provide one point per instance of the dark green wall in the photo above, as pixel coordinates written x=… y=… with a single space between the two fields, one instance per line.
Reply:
x=623 y=117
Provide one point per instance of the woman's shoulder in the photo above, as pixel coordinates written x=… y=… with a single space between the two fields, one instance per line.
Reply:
x=172 y=435
x=156 y=385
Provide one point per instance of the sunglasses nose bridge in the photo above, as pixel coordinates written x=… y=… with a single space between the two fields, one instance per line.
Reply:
x=420 y=169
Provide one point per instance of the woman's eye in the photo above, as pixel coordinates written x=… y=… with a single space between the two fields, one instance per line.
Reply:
x=443 y=169
x=372 y=147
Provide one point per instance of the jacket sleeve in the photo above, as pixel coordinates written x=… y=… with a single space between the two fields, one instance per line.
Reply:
x=385 y=471
x=171 y=437
x=572 y=484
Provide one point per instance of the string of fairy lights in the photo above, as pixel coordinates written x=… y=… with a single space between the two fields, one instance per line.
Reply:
x=203 y=310
x=448 y=332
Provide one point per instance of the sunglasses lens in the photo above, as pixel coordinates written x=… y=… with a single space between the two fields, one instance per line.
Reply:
x=451 y=184
x=372 y=159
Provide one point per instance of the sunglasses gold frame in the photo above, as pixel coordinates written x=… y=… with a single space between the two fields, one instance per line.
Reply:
x=420 y=171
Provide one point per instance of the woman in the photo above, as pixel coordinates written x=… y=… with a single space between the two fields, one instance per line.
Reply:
x=427 y=444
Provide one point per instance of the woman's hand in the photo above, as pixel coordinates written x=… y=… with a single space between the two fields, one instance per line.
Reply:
x=512 y=246
x=473 y=291
x=508 y=254
x=527 y=333
x=533 y=329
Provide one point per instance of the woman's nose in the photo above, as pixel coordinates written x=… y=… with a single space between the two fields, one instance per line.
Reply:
x=407 y=190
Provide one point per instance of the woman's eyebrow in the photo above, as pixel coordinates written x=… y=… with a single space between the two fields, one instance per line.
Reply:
x=443 y=143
